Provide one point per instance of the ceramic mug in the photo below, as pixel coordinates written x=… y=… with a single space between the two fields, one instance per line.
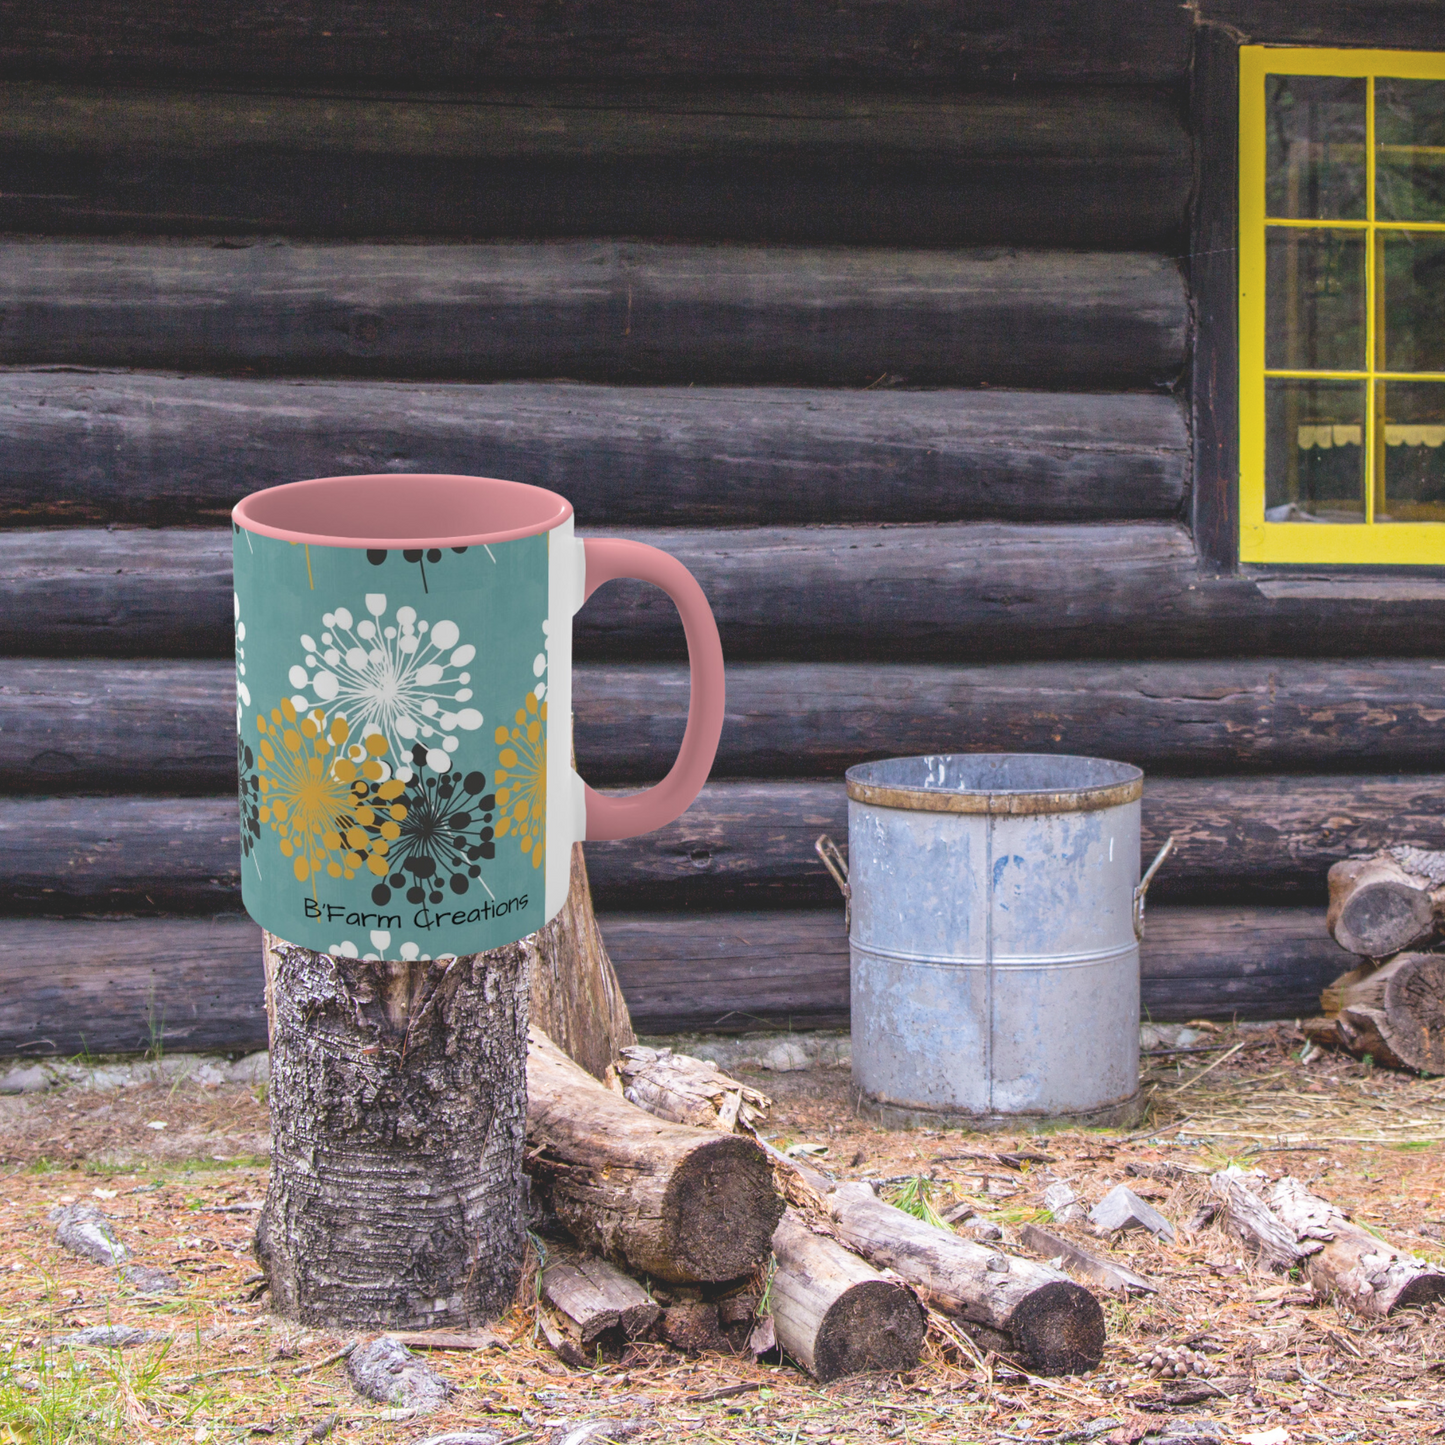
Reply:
x=404 y=709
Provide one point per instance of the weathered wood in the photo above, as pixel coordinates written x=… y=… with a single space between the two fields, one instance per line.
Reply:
x=688 y=1090
x=1382 y=24
x=1341 y=1260
x=951 y=592
x=1106 y=1273
x=681 y=1204
x=1214 y=291
x=449 y=43
x=1055 y=1325
x=575 y=997
x=196 y=983
x=741 y=844
x=170 y=726
x=153 y=449
x=1074 y=168
x=834 y=1314
x=1386 y=902
x=398 y=1095
x=597 y=1297
x=598 y=310
x=1394 y=1013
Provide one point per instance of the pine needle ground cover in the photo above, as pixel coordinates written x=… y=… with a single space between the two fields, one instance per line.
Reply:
x=179 y=1169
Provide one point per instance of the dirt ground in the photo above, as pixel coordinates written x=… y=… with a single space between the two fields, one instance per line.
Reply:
x=181 y=1169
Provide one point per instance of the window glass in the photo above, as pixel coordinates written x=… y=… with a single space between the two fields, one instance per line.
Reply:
x=1409 y=150
x=1412 y=459
x=1315 y=461
x=1315 y=159
x=1315 y=286
x=1410 y=278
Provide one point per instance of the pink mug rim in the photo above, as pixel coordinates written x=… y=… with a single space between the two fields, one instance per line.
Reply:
x=560 y=511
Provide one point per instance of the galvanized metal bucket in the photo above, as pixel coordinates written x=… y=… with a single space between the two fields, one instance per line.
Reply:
x=995 y=915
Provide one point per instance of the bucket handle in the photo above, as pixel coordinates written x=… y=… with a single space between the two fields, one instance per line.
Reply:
x=1144 y=883
x=837 y=865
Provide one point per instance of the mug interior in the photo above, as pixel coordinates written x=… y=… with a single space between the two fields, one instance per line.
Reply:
x=400 y=510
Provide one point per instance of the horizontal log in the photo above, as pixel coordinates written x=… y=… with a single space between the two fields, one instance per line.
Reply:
x=127 y=447
x=156 y=727
x=125 y=985
x=948 y=592
x=448 y=43
x=1380 y=24
x=740 y=845
x=1107 y=169
x=598 y=310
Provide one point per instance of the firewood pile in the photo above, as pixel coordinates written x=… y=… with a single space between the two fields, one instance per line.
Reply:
x=1385 y=908
x=662 y=1215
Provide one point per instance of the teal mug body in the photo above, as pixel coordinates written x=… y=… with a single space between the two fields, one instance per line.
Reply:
x=403 y=684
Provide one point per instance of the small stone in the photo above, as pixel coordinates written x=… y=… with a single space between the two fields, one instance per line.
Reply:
x=595 y=1432
x=386 y=1371
x=112 y=1337
x=997 y=1263
x=33 y=1080
x=983 y=1230
x=463 y=1437
x=787 y=1056
x=253 y=1069
x=84 y=1230
x=1062 y=1203
x=1121 y=1208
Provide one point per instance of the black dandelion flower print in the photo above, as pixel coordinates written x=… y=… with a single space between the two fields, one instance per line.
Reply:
x=441 y=842
x=250 y=795
x=377 y=555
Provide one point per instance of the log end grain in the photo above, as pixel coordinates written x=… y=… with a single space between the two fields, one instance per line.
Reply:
x=875 y=1325
x=1415 y=1010
x=721 y=1208
x=1376 y=907
x=1423 y=1289
x=1059 y=1330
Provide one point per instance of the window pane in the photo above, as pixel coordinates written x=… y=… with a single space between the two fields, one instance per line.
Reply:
x=1315 y=158
x=1413 y=486
x=1315 y=300
x=1411 y=278
x=1314 y=451
x=1410 y=150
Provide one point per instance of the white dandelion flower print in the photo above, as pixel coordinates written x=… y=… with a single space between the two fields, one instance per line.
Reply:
x=381 y=941
x=243 y=693
x=400 y=677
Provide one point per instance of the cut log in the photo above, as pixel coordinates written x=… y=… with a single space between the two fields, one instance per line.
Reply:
x=1106 y=1273
x=163 y=449
x=446 y=45
x=600 y=310
x=1058 y=168
x=397 y=1098
x=1394 y=1013
x=105 y=727
x=1267 y=839
x=121 y=984
x=1056 y=1326
x=834 y=1314
x=596 y=1297
x=952 y=592
x=683 y=1205
x=575 y=997
x=1341 y=1260
x=688 y=1090
x=1387 y=902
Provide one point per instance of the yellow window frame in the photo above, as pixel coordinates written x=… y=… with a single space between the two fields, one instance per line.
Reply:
x=1368 y=542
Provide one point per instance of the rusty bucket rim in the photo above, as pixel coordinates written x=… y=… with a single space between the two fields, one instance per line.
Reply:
x=998 y=802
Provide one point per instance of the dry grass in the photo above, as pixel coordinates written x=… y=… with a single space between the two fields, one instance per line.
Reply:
x=229 y=1371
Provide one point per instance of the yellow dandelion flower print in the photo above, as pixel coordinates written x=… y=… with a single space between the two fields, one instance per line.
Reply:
x=328 y=798
x=522 y=778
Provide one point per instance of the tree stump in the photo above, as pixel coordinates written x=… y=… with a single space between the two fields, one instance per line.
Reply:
x=1394 y=1013
x=398 y=1107
x=1386 y=902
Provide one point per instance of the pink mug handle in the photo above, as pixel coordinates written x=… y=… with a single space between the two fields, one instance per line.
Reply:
x=608 y=818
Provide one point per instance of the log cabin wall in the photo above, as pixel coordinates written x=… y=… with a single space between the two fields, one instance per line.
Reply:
x=878 y=316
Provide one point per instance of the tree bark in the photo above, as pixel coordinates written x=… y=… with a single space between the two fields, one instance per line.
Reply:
x=836 y=1315
x=1340 y=1260
x=686 y=1090
x=397 y=1105
x=1394 y=1013
x=684 y=1205
x=1056 y=1326
x=1387 y=902
x=576 y=1000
